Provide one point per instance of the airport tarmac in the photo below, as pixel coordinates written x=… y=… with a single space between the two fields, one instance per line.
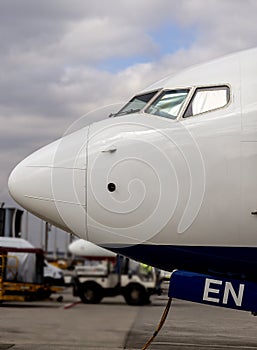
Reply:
x=115 y=325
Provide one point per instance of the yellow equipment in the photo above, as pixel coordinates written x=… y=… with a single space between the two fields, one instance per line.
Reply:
x=21 y=274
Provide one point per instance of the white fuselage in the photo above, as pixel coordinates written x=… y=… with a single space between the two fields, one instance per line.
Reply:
x=174 y=193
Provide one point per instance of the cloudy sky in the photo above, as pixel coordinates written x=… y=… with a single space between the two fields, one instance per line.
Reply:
x=61 y=59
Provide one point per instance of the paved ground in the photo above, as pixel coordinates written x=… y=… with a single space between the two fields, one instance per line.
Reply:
x=114 y=325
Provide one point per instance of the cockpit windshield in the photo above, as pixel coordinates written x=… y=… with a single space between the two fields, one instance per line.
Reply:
x=168 y=104
x=136 y=104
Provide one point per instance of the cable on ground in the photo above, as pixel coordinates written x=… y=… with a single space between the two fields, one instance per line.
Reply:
x=161 y=323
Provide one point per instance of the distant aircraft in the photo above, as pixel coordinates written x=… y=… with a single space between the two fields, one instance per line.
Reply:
x=169 y=180
x=82 y=247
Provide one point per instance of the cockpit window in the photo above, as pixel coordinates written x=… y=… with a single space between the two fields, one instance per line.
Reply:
x=137 y=103
x=168 y=104
x=207 y=99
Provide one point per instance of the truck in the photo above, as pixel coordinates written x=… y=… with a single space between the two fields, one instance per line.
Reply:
x=112 y=276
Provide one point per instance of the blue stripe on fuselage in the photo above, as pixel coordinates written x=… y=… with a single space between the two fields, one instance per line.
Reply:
x=240 y=262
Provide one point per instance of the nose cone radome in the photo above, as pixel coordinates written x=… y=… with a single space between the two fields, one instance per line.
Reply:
x=30 y=184
x=16 y=184
x=50 y=183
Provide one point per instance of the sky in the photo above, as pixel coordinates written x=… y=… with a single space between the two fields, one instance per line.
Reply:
x=61 y=59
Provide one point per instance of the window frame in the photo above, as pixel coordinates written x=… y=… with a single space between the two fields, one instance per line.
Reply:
x=163 y=90
x=157 y=93
x=193 y=94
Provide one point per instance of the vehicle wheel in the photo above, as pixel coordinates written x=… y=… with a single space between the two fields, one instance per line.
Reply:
x=91 y=293
x=135 y=294
x=41 y=294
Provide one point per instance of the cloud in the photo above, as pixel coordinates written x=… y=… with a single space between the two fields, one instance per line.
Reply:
x=60 y=60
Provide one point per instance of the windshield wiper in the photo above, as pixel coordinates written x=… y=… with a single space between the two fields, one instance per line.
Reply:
x=130 y=111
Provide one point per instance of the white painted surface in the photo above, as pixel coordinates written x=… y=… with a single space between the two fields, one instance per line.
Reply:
x=182 y=182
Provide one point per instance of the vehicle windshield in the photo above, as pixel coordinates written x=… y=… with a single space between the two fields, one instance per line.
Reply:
x=136 y=104
x=168 y=104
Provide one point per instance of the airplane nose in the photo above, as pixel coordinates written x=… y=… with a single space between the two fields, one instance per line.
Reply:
x=30 y=182
x=38 y=182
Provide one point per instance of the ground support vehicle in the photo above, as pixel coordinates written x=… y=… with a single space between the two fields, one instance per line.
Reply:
x=115 y=276
x=21 y=275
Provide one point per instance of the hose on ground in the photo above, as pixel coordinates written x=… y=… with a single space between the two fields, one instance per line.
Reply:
x=159 y=327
